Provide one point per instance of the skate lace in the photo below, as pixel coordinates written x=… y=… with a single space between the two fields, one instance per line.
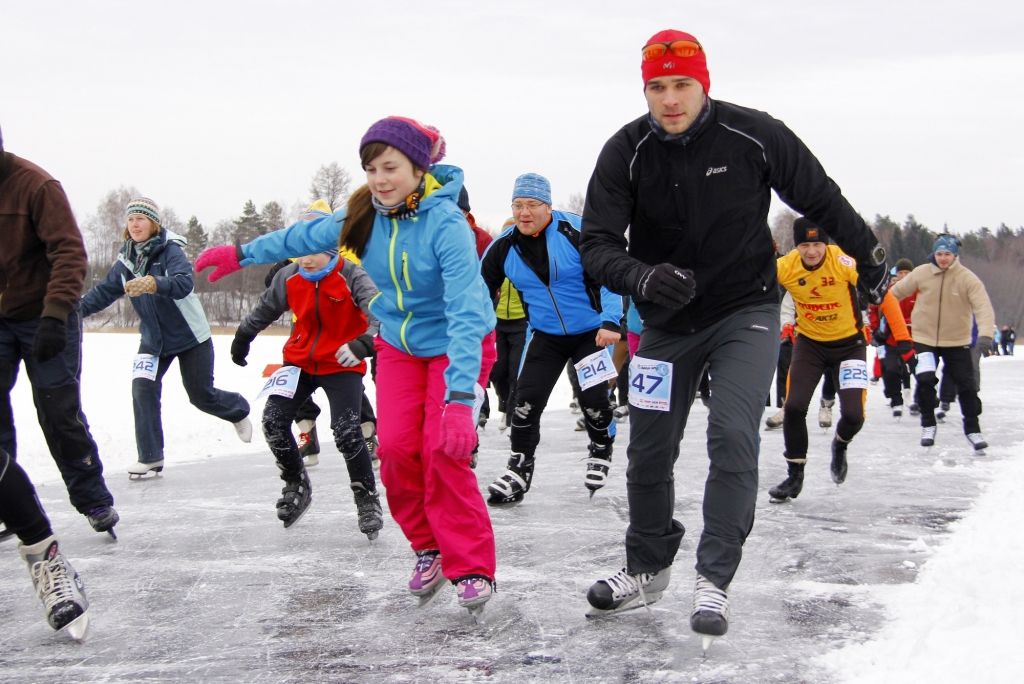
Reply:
x=624 y=584
x=52 y=583
x=706 y=596
x=424 y=561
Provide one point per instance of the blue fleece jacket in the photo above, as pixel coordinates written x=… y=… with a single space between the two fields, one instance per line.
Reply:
x=432 y=299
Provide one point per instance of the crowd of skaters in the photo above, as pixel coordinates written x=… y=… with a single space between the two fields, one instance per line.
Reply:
x=438 y=313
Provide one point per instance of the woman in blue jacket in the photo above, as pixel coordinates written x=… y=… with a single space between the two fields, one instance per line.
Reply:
x=154 y=272
x=434 y=351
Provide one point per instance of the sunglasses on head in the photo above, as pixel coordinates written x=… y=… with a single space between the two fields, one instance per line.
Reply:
x=679 y=48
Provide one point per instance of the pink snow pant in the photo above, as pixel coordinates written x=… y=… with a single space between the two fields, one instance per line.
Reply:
x=434 y=498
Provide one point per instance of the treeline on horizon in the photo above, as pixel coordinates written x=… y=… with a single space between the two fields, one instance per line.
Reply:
x=996 y=256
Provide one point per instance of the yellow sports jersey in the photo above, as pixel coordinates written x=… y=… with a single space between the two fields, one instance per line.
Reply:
x=825 y=298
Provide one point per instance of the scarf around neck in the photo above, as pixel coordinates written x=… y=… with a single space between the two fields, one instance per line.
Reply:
x=407 y=208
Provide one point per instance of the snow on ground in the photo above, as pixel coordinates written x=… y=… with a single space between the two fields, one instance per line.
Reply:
x=909 y=572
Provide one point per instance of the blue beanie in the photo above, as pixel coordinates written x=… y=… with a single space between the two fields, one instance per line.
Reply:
x=532 y=186
x=946 y=243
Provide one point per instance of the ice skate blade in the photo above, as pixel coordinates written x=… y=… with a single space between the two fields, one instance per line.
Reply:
x=77 y=628
x=151 y=475
x=372 y=536
x=652 y=597
x=778 y=500
x=113 y=536
x=289 y=523
x=428 y=598
x=705 y=642
x=477 y=613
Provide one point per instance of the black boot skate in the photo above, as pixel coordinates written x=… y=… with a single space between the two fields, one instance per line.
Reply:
x=103 y=519
x=839 y=465
x=790 y=487
x=597 y=466
x=296 y=495
x=368 y=510
x=512 y=486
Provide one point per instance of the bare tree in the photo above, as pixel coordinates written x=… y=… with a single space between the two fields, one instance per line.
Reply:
x=782 y=229
x=575 y=203
x=331 y=184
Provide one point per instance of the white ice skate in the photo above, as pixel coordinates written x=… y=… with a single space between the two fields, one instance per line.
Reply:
x=58 y=586
x=244 y=429
x=625 y=591
x=140 y=470
x=825 y=413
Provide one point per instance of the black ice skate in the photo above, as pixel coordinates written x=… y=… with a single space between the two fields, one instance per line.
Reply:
x=839 y=465
x=710 y=616
x=597 y=466
x=625 y=591
x=511 y=487
x=296 y=495
x=58 y=586
x=789 y=488
x=103 y=519
x=368 y=510
x=940 y=413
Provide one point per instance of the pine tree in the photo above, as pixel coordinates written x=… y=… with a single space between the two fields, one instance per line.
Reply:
x=197 y=238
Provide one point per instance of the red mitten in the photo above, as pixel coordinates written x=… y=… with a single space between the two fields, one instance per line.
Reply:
x=458 y=433
x=224 y=259
x=787 y=333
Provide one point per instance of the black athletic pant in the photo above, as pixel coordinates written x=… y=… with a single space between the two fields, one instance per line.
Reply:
x=895 y=375
x=741 y=351
x=957 y=365
x=343 y=392
x=510 y=339
x=20 y=509
x=811 y=359
x=543 y=359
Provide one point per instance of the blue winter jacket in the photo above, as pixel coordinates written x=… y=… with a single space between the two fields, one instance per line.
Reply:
x=432 y=299
x=170 y=321
x=567 y=302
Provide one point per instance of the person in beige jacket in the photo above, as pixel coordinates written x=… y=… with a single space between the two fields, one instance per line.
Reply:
x=949 y=297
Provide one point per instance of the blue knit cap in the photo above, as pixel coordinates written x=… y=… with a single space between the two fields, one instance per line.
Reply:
x=946 y=243
x=532 y=186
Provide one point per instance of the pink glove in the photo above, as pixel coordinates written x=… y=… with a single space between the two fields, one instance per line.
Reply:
x=458 y=434
x=224 y=259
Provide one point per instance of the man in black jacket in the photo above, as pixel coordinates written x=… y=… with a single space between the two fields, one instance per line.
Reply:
x=692 y=180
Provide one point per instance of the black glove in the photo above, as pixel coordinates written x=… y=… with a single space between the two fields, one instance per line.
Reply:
x=666 y=285
x=905 y=348
x=51 y=338
x=984 y=343
x=240 y=348
x=873 y=281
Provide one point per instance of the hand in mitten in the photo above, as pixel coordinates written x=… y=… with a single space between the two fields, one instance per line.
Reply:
x=51 y=338
x=140 y=286
x=458 y=434
x=224 y=259
x=240 y=348
x=788 y=332
x=905 y=349
x=666 y=285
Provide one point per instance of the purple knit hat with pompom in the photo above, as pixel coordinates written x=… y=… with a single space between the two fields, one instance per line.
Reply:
x=422 y=144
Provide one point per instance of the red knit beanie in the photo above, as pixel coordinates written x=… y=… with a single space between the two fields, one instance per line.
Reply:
x=695 y=66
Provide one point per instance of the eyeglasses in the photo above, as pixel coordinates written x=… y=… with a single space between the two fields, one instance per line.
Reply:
x=679 y=48
x=520 y=206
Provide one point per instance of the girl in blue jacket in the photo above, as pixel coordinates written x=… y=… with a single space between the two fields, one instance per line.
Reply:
x=154 y=272
x=435 y=348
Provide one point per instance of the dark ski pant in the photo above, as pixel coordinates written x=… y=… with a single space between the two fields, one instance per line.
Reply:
x=543 y=359
x=956 y=362
x=510 y=339
x=344 y=391
x=310 y=411
x=196 y=366
x=895 y=375
x=56 y=394
x=812 y=359
x=20 y=509
x=741 y=351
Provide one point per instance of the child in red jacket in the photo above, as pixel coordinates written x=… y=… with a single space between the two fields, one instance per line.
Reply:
x=331 y=337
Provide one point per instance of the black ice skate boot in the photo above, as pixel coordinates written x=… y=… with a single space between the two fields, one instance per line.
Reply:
x=710 y=615
x=839 y=465
x=103 y=519
x=512 y=486
x=296 y=495
x=368 y=510
x=790 y=487
x=597 y=466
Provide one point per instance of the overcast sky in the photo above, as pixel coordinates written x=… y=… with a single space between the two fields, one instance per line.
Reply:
x=912 y=106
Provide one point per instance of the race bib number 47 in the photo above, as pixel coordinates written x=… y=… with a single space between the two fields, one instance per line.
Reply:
x=282 y=383
x=650 y=384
